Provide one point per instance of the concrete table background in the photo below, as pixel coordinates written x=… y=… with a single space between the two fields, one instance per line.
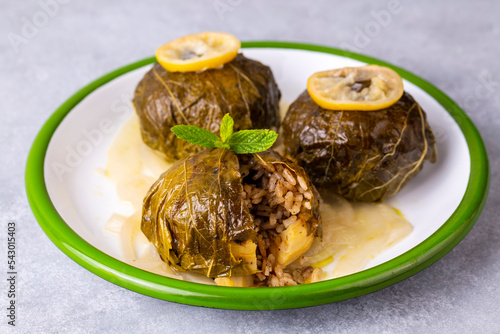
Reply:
x=453 y=44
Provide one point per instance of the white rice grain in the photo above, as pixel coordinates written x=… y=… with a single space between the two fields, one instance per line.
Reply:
x=275 y=201
x=280 y=228
x=280 y=190
x=288 y=280
x=272 y=219
x=302 y=182
x=289 y=177
x=288 y=185
x=289 y=201
x=295 y=208
x=316 y=275
x=289 y=221
x=260 y=276
x=272 y=183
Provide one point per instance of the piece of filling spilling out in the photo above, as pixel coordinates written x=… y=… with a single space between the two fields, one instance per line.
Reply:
x=280 y=203
x=285 y=253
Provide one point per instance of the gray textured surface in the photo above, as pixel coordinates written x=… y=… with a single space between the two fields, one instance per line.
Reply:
x=453 y=44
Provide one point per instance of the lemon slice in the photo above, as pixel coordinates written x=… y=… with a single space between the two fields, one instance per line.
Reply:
x=369 y=87
x=198 y=52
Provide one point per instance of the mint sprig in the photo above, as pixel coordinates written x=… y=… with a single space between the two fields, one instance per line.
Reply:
x=241 y=142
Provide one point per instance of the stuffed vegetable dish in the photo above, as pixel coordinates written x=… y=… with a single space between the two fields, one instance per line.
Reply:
x=238 y=218
x=216 y=200
x=356 y=132
x=198 y=79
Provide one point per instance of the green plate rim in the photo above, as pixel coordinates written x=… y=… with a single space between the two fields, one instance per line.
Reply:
x=366 y=281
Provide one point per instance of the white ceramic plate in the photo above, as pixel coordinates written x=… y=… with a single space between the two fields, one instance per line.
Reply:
x=85 y=199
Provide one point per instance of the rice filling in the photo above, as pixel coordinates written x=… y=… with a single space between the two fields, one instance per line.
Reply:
x=277 y=198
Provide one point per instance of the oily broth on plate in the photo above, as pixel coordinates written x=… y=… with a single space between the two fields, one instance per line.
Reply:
x=353 y=233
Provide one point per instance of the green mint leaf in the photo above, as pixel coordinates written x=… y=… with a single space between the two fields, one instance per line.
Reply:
x=195 y=135
x=241 y=142
x=226 y=127
x=251 y=141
